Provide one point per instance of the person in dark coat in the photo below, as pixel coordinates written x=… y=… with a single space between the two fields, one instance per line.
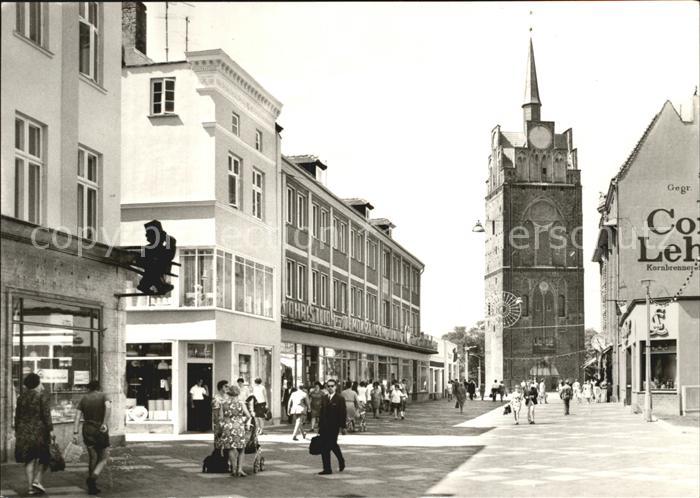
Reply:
x=471 y=389
x=331 y=420
x=33 y=432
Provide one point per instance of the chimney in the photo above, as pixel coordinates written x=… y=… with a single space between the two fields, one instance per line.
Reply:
x=383 y=225
x=360 y=205
x=134 y=34
x=312 y=165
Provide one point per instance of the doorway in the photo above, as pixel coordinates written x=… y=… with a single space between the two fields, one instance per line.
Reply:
x=628 y=376
x=199 y=415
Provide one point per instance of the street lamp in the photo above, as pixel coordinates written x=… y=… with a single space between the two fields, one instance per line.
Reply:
x=478 y=228
x=466 y=360
x=647 y=364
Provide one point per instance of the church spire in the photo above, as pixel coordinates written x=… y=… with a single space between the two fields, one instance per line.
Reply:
x=531 y=107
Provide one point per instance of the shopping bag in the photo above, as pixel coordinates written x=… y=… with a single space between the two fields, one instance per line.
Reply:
x=315 y=445
x=72 y=452
x=56 y=461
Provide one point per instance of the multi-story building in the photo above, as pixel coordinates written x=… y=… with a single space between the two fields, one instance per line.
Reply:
x=351 y=306
x=649 y=233
x=444 y=367
x=201 y=155
x=534 y=267
x=60 y=148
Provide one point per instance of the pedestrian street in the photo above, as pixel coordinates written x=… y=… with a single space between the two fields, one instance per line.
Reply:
x=598 y=450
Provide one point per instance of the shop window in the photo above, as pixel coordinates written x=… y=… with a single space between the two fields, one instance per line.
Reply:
x=60 y=343
x=254 y=287
x=663 y=365
x=149 y=382
x=423 y=376
x=196 y=288
x=200 y=350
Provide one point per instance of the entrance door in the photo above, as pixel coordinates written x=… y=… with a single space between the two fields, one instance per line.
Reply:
x=199 y=416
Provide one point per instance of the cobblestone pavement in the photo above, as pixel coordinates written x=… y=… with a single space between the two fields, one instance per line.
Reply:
x=600 y=450
x=398 y=458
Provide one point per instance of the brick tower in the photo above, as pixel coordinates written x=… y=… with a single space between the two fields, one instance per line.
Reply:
x=533 y=250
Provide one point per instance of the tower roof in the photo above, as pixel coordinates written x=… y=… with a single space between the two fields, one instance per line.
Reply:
x=532 y=92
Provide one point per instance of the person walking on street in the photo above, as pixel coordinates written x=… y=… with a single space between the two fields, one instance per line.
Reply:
x=245 y=392
x=198 y=405
x=331 y=420
x=494 y=390
x=260 y=404
x=449 y=390
x=315 y=397
x=351 y=405
x=297 y=407
x=235 y=420
x=542 y=392
x=33 y=433
x=577 y=390
x=566 y=393
x=501 y=389
x=376 y=398
x=587 y=391
x=471 y=389
x=219 y=397
x=482 y=390
x=95 y=409
x=531 y=401
x=460 y=395
x=397 y=398
x=516 y=403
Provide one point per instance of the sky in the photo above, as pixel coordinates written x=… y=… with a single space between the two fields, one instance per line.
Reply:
x=399 y=100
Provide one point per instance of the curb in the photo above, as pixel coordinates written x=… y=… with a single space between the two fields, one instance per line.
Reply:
x=676 y=429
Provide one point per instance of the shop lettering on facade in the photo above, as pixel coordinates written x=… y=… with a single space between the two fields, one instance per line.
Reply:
x=665 y=224
x=313 y=314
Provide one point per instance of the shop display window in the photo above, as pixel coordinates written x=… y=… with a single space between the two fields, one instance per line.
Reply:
x=423 y=376
x=202 y=350
x=663 y=365
x=60 y=343
x=149 y=382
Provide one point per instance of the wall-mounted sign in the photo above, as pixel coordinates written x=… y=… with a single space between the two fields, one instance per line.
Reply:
x=81 y=377
x=53 y=375
x=319 y=316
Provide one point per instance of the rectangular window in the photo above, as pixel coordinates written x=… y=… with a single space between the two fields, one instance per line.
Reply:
x=386 y=264
x=343 y=297
x=336 y=294
x=371 y=307
x=396 y=317
x=254 y=287
x=342 y=237
x=301 y=282
x=224 y=282
x=30 y=21
x=289 y=288
x=406 y=276
x=415 y=283
x=258 y=140
x=301 y=211
x=336 y=235
x=324 y=290
x=59 y=342
x=524 y=306
x=196 y=286
x=88 y=55
x=291 y=196
x=324 y=226
x=29 y=167
x=561 y=305
x=397 y=269
x=314 y=286
x=314 y=221
x=359 y=247
x=663 y=365
x=234 y=179
x=258 y=187
x=162 y=96
x=87 y=194
x=235 y=124
x=353 y=247
x=386 y=313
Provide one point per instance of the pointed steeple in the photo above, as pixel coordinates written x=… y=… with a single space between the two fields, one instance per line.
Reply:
x=531 y=107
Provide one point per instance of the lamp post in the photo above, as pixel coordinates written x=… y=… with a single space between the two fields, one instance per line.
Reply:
x=647 y=363
x=466 y=361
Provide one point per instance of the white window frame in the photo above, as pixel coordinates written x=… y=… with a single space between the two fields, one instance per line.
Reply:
x=235 y=124
x=258 y=191
x=26 y=162
x=301 y=282
x=235 y=165
x=88 y=181
x=90 y=18
x=162 y=99
x=314 y=220
x=342 y=237
x=291 y=198
x=289 y=288
x=353 y=235
x=324 y=226
x=301 y=211
x=26 y=12
x=314 y=286
x=324 y=290
x=258 y=140
x=344 y=297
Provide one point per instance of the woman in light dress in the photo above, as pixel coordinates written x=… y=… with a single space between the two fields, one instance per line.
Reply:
x=315 y=399
x=216 y=401
x=587 y=391
x=297 y=408
x=516 y=403
x=352 y=403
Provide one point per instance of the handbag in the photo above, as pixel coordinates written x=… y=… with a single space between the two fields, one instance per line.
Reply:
x=506 y=410
x=315 y=445
x=268 y=414
x=72 y=452
x=216 y=463
x=56 y=461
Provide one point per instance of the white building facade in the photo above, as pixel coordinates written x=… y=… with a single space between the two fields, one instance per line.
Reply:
x=201 y=155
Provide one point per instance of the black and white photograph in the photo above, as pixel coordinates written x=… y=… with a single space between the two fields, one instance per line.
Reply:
x=350 y=249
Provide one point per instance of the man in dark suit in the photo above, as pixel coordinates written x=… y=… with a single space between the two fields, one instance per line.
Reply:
x=331 y=420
